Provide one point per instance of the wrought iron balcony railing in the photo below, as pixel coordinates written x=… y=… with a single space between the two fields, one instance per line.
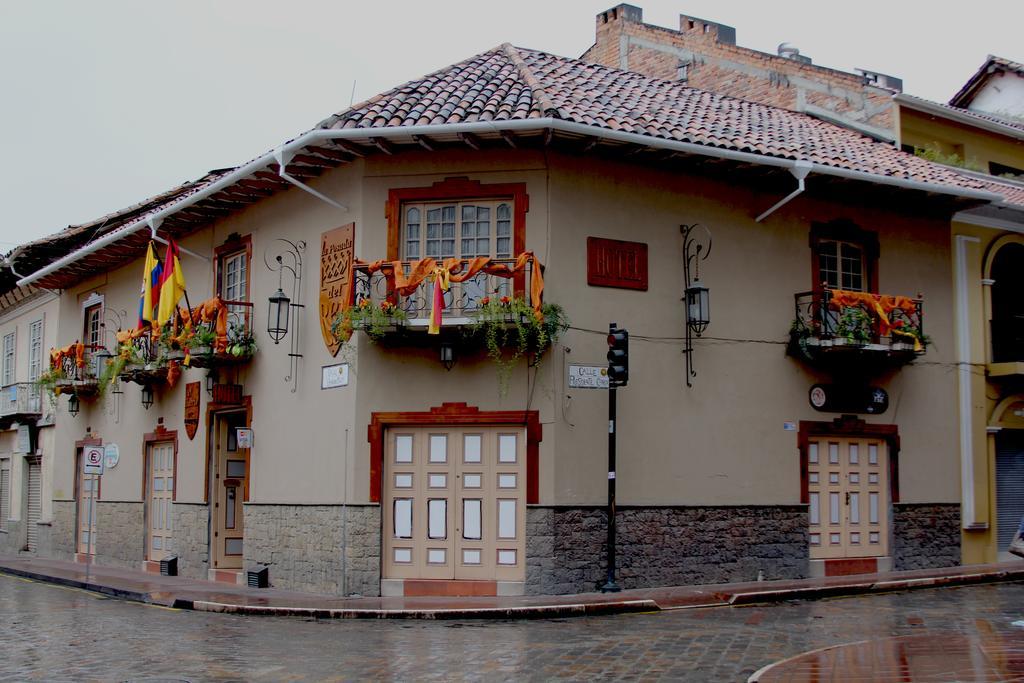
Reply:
x=22 y=398
x=880 y=326
x=461 y=301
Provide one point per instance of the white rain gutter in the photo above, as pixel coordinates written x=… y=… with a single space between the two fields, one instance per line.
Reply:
x=364 y=134
x=799 y=170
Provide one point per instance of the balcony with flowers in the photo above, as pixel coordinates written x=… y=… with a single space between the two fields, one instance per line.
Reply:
x=841 y=328
x=74 y=369
x=213 y=334
x=497 y=304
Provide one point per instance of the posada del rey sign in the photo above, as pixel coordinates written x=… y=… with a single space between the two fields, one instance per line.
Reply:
x=337 y=249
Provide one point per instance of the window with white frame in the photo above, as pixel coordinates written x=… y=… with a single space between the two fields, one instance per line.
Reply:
x=35 y=350
x=235 y=276
x=92 y=334
x=8 y=350
x=841 y=265
x=457 y=229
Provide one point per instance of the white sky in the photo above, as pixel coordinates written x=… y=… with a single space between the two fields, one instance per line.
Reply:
x=104 y=103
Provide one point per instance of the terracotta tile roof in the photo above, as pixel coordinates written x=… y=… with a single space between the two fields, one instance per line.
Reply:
x=515 y=83
x=1012 y=191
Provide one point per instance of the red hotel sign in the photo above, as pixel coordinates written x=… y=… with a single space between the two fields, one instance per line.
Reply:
x=615 y=263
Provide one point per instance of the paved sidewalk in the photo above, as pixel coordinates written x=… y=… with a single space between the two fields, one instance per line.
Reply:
x=184 y=593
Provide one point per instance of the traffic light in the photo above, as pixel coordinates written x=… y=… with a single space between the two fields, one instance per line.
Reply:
x=618 y=356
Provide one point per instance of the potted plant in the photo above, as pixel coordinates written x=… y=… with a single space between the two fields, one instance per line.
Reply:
x=853 y=327
x=241 y=342
x=375 y=321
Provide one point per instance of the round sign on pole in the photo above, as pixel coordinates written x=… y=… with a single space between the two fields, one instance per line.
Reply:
x=111 y=455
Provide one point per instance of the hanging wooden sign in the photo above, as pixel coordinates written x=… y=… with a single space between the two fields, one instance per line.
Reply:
x=336 y=258
x=192 y=400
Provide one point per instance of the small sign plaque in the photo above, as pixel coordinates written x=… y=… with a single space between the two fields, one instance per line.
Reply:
x=588 y=376
x=834 y=398
x=334 y=376
x=244 y=437
x=92 y=460
x=111 y=456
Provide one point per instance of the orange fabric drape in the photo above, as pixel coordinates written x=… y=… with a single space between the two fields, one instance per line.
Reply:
x=216 y=311
x=459 y=270
x=76 y=350
x=882 y=305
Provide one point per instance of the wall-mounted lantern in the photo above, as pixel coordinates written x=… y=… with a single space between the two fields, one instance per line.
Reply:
x=211 y=381
x=147 y=396
x=696 y=248
x=73 y=405
x=277 y=315
x=280 y=304
x=447 y=355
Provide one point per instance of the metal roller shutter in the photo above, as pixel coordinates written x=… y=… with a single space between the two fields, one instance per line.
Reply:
x=34 y=507
x=5 y=492
x=1009 y=485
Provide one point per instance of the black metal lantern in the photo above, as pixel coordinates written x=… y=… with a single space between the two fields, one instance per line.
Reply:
x=211 y=381
x=100 y=359
x=698 y=308
x=147 y=396
x=447 y=355
x=73 y=405
x=277 y=315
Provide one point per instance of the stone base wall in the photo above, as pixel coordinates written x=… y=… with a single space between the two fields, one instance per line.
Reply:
x=925 y=535
x=664 y=546
x=192 y=539
x=62 y=531
x=332 y=549
x=120 y=534
x=12 y=538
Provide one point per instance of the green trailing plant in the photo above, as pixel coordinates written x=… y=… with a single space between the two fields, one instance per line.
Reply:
x=510 y=329
x=375 y=321
x=112 y=371
x=854 y=325
x=932 y=152
x=203 y=336
x=49 y=382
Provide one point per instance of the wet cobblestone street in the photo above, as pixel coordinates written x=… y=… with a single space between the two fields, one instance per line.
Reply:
x=52 y=633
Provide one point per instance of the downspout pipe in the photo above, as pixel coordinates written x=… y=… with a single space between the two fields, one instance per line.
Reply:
x=319 y=136
x=800 y=169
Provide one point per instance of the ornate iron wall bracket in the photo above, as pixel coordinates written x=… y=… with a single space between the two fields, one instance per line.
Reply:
x=696 y=248
x=290 y=258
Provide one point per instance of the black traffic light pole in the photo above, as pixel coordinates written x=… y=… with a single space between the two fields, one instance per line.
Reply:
x=618 y=375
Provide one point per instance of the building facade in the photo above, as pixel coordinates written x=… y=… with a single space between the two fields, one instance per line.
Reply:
x=818 y=434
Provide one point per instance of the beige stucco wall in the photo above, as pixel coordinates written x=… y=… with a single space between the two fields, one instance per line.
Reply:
x=720 y=442
x=40 y=306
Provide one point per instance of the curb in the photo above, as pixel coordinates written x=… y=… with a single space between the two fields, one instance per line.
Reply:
x=524 y=612
x=868 y=587
x=133 y=596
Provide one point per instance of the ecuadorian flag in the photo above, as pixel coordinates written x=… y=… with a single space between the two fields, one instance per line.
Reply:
x=172 y=285
x=149 y=297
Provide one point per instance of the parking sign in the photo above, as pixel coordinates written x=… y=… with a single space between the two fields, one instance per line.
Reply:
x=92 y=460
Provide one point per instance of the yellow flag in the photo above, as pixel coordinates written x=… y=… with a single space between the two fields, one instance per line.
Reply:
x=172 y=285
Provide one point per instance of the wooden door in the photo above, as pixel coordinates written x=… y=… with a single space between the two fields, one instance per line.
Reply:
x=230 y=470
x=159 y=500
x=848 y=491
x=455 y=503
x=87 y=487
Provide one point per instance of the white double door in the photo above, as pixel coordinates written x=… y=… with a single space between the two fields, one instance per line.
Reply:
x=159 y=500
x=455 y=503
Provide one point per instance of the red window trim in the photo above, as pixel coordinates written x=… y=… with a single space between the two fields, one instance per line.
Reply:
x=850 y=426
x=460 y=188
x=845 y=231
x=233 y=245
x=455 y=414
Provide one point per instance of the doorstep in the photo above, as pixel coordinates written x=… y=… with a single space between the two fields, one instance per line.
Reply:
x=848 y=566
x=409 y=588
x=232 y=576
